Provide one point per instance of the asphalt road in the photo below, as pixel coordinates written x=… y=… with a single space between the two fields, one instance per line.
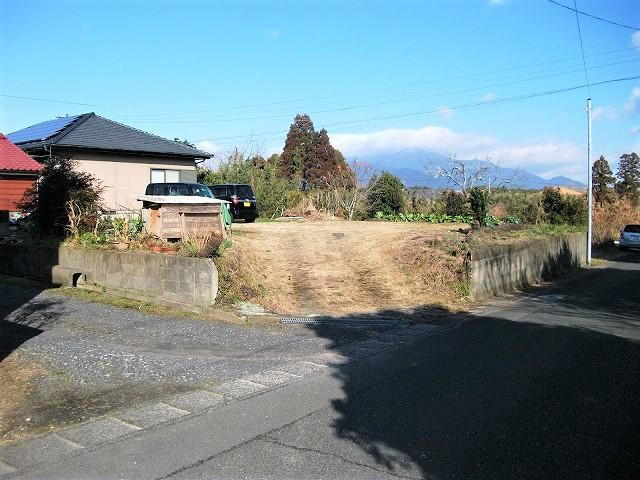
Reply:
x=546 y=387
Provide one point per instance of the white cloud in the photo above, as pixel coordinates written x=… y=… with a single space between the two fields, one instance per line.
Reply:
x=433 y=138
x=634 y=130
x=497 y=3
x=606 y=112
x=273 y=32
x=445 y=112
x=207 y=146
x=635 y=39
x=487 y=97
x=632 y=107
x=548 y=157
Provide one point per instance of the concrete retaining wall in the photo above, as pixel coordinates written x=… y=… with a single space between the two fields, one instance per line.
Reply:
x=505 y=268
x=166 y=279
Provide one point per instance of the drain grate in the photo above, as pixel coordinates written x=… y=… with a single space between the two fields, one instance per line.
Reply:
x=342 y=321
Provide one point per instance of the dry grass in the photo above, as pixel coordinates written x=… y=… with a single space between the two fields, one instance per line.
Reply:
x=608 y=219
x=435 y=268
x=240 y=274
x=199 y=243
x=16 y=378
x=306 y=208
x=337 y=268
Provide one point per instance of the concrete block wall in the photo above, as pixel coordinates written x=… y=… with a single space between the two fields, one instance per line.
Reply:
x=167 y=279
x=505 y=268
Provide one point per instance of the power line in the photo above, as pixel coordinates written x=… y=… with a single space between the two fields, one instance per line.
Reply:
x=584 y=62
x=456 y=107
x=592 y=16
x=446 y=79
x=53 y=101
x=352 y=107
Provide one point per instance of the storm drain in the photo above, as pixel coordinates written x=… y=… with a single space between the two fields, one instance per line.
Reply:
x=342 y=321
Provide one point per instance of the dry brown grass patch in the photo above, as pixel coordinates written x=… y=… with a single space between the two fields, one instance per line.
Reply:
x=17 y=377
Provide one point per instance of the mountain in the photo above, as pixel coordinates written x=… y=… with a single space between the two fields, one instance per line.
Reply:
x=416 y=167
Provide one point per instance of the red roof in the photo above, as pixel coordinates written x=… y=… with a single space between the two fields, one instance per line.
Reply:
x=13 y=158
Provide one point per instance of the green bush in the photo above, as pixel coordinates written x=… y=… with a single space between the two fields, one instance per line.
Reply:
x=422 y=217
x=479 y=201
x=386 y=195
x=563 y=209
x=455 y=203
x=64 y=201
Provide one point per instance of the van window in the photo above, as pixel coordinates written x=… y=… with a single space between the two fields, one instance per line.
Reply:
x=220 y=191
x=178 y=190
x=200 y=191
x=244 y=191
x=632 y=228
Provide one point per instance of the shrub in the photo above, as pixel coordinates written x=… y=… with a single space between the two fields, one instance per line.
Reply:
x=559 y=209
x=64 y=199
x=455 y=203
x=479 y=201
x=386 y=195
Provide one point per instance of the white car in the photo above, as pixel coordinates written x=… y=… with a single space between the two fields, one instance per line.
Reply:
x=629 y=237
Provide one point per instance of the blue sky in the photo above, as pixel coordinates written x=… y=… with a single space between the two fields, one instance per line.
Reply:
x=381 y=76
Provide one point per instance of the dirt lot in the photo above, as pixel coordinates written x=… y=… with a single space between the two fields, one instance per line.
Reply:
x=334 y=267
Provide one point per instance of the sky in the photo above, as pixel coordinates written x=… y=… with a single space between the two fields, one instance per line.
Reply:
x=380 y=76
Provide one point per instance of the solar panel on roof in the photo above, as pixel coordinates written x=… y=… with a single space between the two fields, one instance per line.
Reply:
x=41 y=131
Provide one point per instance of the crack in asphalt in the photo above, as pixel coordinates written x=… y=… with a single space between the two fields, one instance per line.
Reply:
x=273 y=441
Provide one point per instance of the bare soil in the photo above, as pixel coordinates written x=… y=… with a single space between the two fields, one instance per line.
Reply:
x=339 y=267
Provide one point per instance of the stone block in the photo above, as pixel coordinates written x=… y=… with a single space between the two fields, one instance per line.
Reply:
x=6 y=468
x=237 y=388
x=39 y=450
x=195 y=400
x=329 y=359
x=150 y=415
x=272 y=378
x=102 y=430
x=303 y=368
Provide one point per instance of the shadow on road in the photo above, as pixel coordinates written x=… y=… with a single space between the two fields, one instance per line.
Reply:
x=496 y=398
x=22 y=317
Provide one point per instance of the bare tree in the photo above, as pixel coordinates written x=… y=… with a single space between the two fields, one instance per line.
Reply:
x=350 y=186
x=465 y=174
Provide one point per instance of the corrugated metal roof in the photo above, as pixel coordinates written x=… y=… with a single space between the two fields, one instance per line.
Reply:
x=92 y=131
x=14 y=159
x=42 y=131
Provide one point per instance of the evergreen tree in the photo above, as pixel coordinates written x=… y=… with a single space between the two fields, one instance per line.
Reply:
x=628 y=174
x=308 y=156
x=321 y=164
x=297 y=148
x=602 y=181
x=386 y=194
x=47 y=202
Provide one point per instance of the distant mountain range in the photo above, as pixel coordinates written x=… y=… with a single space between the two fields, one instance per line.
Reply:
x=416 y=167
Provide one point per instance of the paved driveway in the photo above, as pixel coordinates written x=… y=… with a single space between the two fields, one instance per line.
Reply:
x=80 y=360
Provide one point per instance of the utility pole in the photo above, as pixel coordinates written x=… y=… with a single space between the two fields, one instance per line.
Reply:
x=589 y=180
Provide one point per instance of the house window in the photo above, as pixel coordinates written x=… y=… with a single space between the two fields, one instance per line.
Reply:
x=165 y=176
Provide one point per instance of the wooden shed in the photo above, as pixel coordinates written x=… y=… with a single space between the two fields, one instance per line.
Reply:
x=172 y=217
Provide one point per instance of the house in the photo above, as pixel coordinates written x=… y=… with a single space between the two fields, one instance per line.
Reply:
x=124 y=159
x=18 y=172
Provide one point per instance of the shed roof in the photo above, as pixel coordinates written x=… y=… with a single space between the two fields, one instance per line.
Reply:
x=93 y=132
x=12 y=158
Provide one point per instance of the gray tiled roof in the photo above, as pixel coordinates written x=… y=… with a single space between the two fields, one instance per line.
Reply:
x=92 y=131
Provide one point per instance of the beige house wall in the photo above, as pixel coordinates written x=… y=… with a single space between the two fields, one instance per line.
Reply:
x=124 y=177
